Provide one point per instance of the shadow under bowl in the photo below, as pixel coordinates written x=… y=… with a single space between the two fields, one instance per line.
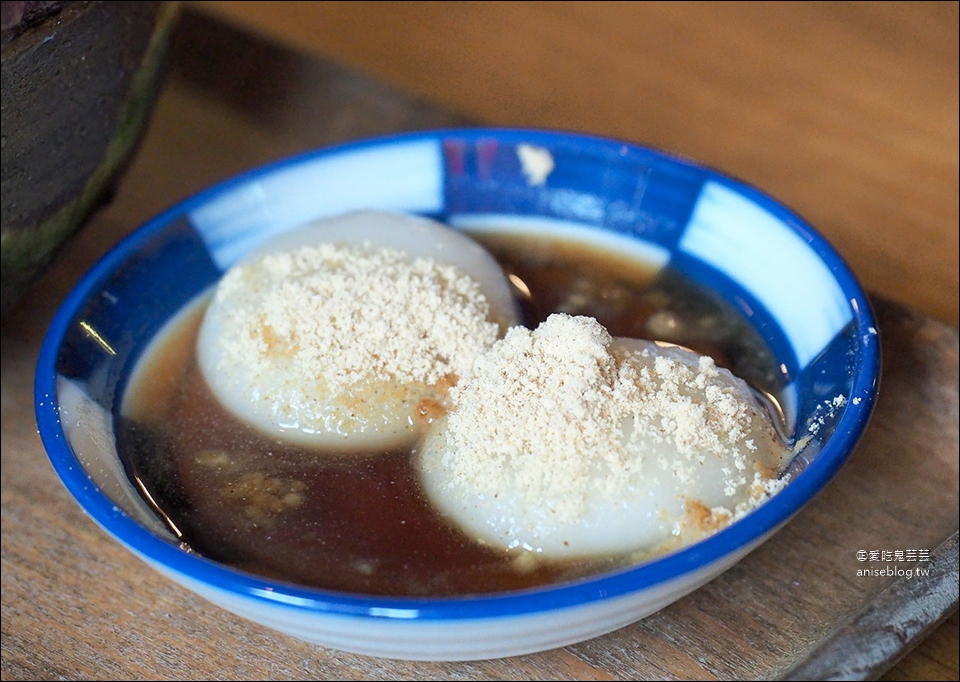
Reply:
x=782 y=277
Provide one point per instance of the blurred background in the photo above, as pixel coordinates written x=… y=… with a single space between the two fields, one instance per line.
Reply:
x=846 y=111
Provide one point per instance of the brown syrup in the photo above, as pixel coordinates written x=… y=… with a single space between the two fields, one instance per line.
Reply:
x=360 y=523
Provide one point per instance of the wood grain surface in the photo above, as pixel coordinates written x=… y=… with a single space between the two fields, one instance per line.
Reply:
x=75 y=605
x=847 y=112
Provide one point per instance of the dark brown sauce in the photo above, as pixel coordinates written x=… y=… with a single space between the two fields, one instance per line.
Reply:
x=360 y=523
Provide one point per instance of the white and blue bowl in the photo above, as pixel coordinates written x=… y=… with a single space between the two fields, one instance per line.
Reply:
x=783 y=277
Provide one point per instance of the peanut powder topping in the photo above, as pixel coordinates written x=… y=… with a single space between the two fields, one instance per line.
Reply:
x=345 y=314
x=564 y=417
x=350 y=341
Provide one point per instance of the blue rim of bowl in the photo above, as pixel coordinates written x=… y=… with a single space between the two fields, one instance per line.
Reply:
x=739 y=536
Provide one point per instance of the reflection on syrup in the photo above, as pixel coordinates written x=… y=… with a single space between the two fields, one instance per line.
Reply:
x=361 y=524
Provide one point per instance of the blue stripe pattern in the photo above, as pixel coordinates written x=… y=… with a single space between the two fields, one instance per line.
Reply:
x=772 y=262
x=405 y=176
x=705 y=223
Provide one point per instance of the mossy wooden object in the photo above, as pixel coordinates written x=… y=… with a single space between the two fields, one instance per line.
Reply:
x=78 y=85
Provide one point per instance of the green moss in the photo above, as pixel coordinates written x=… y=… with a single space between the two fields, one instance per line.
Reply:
x=26 y=251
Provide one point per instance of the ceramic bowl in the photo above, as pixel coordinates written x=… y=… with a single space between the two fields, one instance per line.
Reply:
x=781 y=275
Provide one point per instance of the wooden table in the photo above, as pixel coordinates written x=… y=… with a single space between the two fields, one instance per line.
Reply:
x=848 y=112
